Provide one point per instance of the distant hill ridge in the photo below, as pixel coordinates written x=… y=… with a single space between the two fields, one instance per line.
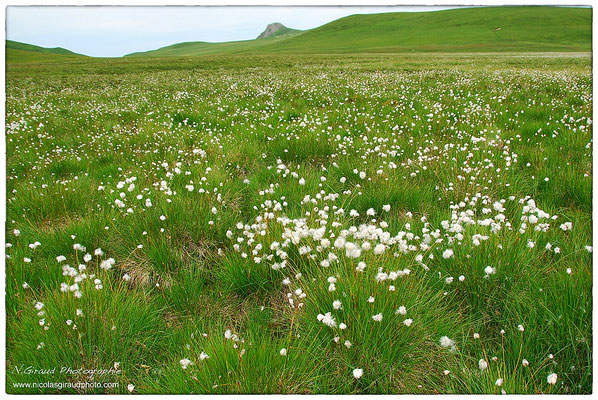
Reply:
x=478 y=29
x=11 y=44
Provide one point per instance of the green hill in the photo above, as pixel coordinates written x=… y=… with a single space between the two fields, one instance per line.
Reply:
x=207 y=48
x=202 y=48
x=485 y=29
x=11 y=44
x=471 y=29
x=23 y=52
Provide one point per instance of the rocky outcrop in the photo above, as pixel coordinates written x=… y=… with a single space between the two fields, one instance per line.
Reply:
x=273 y=29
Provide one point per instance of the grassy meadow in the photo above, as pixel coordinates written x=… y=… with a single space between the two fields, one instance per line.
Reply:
x=340 y=224
x=471 y=30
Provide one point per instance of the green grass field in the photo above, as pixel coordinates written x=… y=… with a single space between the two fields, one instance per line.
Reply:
x=333 y=224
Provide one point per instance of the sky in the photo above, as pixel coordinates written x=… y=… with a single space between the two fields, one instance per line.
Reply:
x=113 y=31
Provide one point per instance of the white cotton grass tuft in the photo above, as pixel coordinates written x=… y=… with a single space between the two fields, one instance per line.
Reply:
x=448 y=253
x=447 y=342
x=327 y=319
x=377 y=317
x=482 y=364
x=360 y=267
x=551 y=379
x=357 y=373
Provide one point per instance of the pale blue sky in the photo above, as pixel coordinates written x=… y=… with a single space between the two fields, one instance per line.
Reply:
x=112 y=31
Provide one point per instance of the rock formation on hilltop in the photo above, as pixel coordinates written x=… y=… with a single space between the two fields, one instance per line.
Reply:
x=275 y=29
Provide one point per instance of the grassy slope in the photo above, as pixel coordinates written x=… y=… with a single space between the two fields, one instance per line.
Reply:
x=473 y=29
x=11 y=44
x=459 y=30
x=14 y=56
x=17 y=52
x=200 y=48
x=205 y=48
